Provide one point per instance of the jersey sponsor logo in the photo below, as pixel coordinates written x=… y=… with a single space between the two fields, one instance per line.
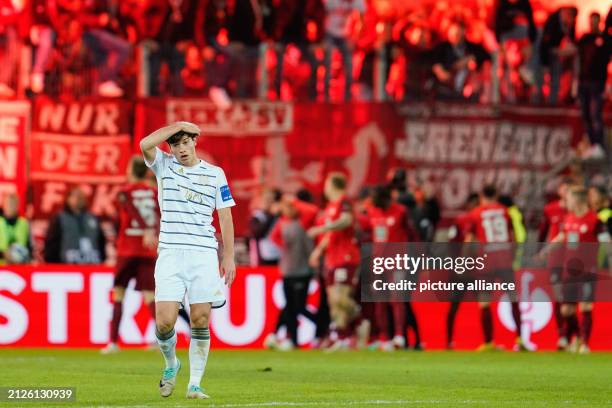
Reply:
x=226 y=195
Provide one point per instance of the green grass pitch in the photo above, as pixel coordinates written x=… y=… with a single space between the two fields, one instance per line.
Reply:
x=244 y=378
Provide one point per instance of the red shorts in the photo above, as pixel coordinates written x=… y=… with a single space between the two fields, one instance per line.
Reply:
x=138 y=267
x=344 y=275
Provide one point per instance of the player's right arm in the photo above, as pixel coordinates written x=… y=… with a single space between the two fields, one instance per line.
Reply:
x=149 y=143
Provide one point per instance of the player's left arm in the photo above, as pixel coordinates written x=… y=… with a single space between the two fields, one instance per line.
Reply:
x=228 y=266
x=344 y=221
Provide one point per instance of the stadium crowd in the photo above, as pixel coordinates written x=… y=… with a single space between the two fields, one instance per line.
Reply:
x=242 y=48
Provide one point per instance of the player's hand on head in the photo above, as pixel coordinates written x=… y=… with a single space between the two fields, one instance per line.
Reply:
x=189 y=127
x=228 y=270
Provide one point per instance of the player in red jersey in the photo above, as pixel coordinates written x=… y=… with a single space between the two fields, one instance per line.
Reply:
x=342 y=257
x=456 y=235
x=136 y=244
x=580 y=226
x=389 y=222
x=490 y=223
x=554 y=213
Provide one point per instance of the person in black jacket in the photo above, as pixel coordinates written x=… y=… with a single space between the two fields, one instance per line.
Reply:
x=74 y=235
x=593 y=58
x=453 y=62
x=558 y=47
x=237 y=60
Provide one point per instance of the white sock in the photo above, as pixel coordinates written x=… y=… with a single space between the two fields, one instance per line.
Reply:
x=198 y=354
x=167 y=345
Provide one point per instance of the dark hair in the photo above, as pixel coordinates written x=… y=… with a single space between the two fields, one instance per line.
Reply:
x=472 y=198
x=175 y=138
x=381 y=196
x=305 y=195
x=600 y=189
x=398 y=180
x=338 y=180
x=506 y=200
x=489 y=191
x=365 y=192
x=138 y=168
x=276 y=194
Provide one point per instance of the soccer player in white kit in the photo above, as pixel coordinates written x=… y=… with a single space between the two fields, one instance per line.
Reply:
x=187 y=262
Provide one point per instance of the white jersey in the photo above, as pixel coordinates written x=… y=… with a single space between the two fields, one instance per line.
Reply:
x=187 y=197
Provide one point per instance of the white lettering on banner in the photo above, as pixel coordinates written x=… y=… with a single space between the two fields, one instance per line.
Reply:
x=15 y=314
x=102 y=118
x=103 y=200
x=242 y=118
x=474 y=143
x=79 y=154
x=100 y=308
x=368 y=137
x=255 y=312
x=8 y=162
x=52 y=196
x=53 y=157
x=513 y=156
x=57 y=285
x=8 y=129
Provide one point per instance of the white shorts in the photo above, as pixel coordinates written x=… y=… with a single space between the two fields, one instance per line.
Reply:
x=196 y=273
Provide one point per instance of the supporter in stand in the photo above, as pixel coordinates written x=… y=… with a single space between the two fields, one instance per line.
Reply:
x=74 y=235
x=171 y=25
x=594 y=50
x=558 y=48
x=295 y=21
x=454 y=63
x=338 y=35
x=102 y=32
x=514 y=24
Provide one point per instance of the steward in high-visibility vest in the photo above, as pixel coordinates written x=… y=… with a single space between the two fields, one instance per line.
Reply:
x=13 y=228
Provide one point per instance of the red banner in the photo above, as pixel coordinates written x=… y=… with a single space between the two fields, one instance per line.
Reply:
x=454 y=148
x=84 y=143
x=68 y=306
x=14 y=127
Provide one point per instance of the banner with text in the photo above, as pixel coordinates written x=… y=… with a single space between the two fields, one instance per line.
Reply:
x=14 y=128
x=455 y=149
x=69 y=306
x=85 y=143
